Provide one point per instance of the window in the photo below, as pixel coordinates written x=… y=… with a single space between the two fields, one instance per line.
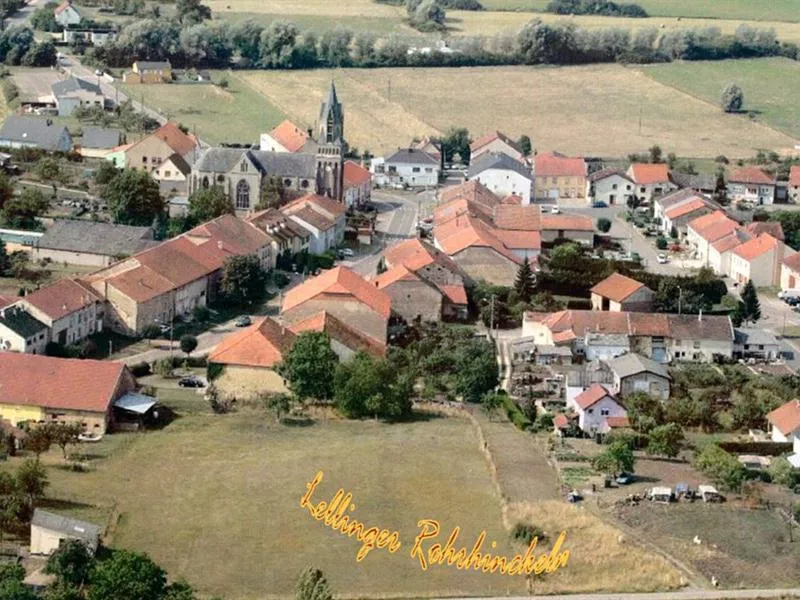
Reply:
x=428 y=170
x=205 y=183
x=613 y=186
x=243 y=167
x=242 y=195
x=287 y=183
x=304 y=183
x=144 y=159
x=220 y=178
x=167 y=173
x=696 y=345
x=415 y=169
x=604 y=412
x=590 y=411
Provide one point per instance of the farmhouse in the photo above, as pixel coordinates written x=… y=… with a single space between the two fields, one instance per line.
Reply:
x=50 y=531
x=652 y=180
x=66 y=14
x=632 y=373
x=91 y=243
x=794 y=184
x=288 y=237
x=496 y=142
x=751 y=184
x=714 y=236
x=21 y=332
x=671 y=200
x=560 y=179
x=46 y=389
x=73 y=92
x=594 y=407
x=149 y=72
x=407 y=168
x=610 y=186
x=172 y=175
x=30 y=132
x=286 y=137
x=149 y=153
x=71 y=310
x=503 y=175
x=784 y=423
x=346 y=341
x=322 y=216
x=759 y=260
x=619 y=293
x=678 y=217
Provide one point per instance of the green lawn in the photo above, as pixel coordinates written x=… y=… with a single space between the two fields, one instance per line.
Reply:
x=771 y=86
x=235 y=114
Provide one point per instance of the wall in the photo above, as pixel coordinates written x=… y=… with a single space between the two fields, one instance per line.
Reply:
x=73 y=258
x=699 y=350
x=428 y=175
x=21 y=412
x=554 y=189
x=347 y=309
x=649 y=383
x=651 y=190
x=45 y=541
x=585 y=238
x=75 y=326
x=504 y=183
x=485 y=263
x=415 y=298
x=790 y=279
x=148 y=154
x=613 y=190
x=191 y=295
x=640 y=301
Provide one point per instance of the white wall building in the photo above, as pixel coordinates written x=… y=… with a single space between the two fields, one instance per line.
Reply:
x=406 y=167
x=594 y=406
x=610 y=186
x=503 y=175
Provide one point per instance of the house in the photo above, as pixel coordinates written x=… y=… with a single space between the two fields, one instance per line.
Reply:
x=73 y=92
x=227 y=236
x=94 y=37
x=322 y=216
x=794 y=184
x=560 y=179
x=285 y=137
x=98 y=142
x=71 y=310
x=413 y=298
x=790 y=272
x=677 y=218
x=751 y=184
x=632 y=373
x=65 y=14
x=172 y=175
x=672 y=199
x=759 y=260
x=699 y=337
x=429 y=146
x=406 y=168
x=90 y=243
x=289 y=238
x=149 y=153
x=610 y=186
x=149 y=72
x=62 y=390
x=436 y=268
x=651 y=180
x=21 y=332
x=357 y=184
x=496 y=142
x=595 y=406
x=696 y=182
x=503 y=175
x=620 y=293
x=751 y=342
x=50 y=531
x=774 y=228
x=345 y=295
x=784 y=424
x=713 y=236
x=346 y=341
x=31 y=132
x=249 y=359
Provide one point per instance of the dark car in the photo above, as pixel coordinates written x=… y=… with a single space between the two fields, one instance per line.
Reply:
x=191 y=381
x=599 y=204
x=625 y=478
x=243 y=321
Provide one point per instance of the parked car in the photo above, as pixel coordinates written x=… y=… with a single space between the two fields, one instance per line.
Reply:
x=347 y=252
x=599 y=204
x=662 y=259
x=625 y=478
x=191 y=381
x=98 y=72
x=555 y=210
x=786 y=295
x=243 y=321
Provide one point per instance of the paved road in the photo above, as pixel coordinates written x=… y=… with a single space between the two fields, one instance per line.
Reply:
x=22 y=16
x=397 y=214
x=715 y=594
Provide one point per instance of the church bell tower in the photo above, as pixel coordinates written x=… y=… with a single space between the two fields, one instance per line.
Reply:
x=331 y=147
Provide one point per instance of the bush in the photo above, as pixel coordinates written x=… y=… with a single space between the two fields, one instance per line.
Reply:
x=525 y=532
x=151 y=332
x=141 y=369
x=661 y=242
x=544 y=422
x=201 y=314
x=604 y=225
x=280 y=279
x=164 y=367
x=214 y=370
x=515 y=414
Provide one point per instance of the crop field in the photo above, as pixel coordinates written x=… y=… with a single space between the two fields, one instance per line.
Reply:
x=771 y=86
x=606 y=109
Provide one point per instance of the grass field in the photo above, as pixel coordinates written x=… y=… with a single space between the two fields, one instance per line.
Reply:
x=229 y=115
x=586 y=110
x=771 y=86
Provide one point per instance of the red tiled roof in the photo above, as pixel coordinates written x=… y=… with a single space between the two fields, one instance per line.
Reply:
x=7 y=300
x=354 y=174
x=566 y=222
x=648 y=324
x=62 y=7
x=341 y=332
x=519 y=240
x=311 y=216
x=793 y=262
x=63 y=297
x=178 y=260
x=263 y=344
x=290 y=136
x=235 y=236
x=591 y=396
x=58 y=383
x=393 y=275
x=773 y=228
x=786 y=418
x=794 y=176
x=415 y=254
x=617 y=287
x=489 y=138
x=686 y=208
x=729 y=242
x=646 y=174
x=617 y=422
x=465 y=232
x=752 y=175
x=561 y=421
x=339 y=281
x=513 y=199
x=756 y=247
x=553 y=164
x=321 y=204
x=509 y=216
x=474 y=192
x=180 y=142
x=456 y=294
x=713 y=226
x=141 y=284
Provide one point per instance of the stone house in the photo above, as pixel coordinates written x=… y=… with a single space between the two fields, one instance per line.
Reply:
x=71 y=310
x=632 y=372
x=618 y=293
x=413 y=298
x=560 y=179
x=610 y=186
x=346 y=341
x=289 y=238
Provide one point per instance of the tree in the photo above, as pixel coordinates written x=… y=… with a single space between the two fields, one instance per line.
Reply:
x=22 y=212
x=524 y=142
x=40 y=55
x=65 y=434
x=32 y=481
x=673 y=233
x=12 y=586
x=191 y=12
x=188 y=344
x=106 y=172
x=209 y=203
x=38 y=440
x=656 y=154
x=721 y=188
x=5 y=260
x=368 y=387
x=10 y=503
x=280 y=404
x=127 y=575
x=179 y=590
x=456 y=141
x=617 y=458
x=476 y=375
x=243 y=280
x=665 y=440
x=71 y=563
x=644 y=411
x=732 y=98
x=62 y=591
x=722 y=468
x=491 y=403
x=271 y=193
x=603 y=225
x=312 y=585
x=6 y=189
x=525 y=283
x=310 y=366
x=44 y=19
x=751 y=309
x=134 y=198
x=426 y=15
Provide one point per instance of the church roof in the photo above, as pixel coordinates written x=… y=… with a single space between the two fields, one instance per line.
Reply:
x=222 y=160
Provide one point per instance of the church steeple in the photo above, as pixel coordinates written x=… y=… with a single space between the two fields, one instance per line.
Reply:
x=331 y=119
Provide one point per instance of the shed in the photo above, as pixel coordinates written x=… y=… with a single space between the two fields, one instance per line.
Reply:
x=49 y=531
x=661 y=494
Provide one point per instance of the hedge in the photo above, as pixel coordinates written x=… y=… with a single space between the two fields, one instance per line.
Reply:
x=515 y=415
x=757 y=448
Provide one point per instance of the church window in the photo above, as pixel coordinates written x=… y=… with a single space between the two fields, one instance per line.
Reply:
x=304 y=183
x=220 y=178
x=242 y=195
x=205 y=182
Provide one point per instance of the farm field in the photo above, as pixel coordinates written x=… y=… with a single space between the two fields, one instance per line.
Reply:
x=580 y=110
x=771 y=86
x=219 y=115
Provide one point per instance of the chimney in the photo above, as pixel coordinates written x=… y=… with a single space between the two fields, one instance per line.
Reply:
x=63 y=307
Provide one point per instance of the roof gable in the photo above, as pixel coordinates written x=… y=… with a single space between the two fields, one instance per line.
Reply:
x=263 y=344
x=290 y=136
x=339 y=281
x=617 y=287
x=592 y=395
x=648 y=174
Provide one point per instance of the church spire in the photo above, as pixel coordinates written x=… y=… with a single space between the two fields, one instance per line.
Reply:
x=331 y=118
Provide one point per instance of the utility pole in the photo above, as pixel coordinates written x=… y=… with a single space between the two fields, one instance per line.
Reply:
x=389 y=90
x=680 y=298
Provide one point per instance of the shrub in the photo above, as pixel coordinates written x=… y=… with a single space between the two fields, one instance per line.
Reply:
x=201 y=314
x=151 y=332
x=544 y=422
x=514 y=413
x=164 y=367
x=214 y=370
x=141 y=369
x=525 y=532
x=280 y=279
x=603 y=225
x=661 y=242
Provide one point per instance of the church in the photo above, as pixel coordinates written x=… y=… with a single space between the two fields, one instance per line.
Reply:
x=316 y=167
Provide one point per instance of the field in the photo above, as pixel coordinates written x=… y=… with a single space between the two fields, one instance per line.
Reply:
x=771 y=86
x=219 y=115
x=584 y=110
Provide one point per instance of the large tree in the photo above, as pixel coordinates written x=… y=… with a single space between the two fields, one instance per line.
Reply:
x=22 y=212
x=722 y=468
x=243 y=280
x=617 y=458
x=32 y=481
x=312 y=585
x=71 y=563
x=665 y=440
x=369 y=387
x=134 y=198
x=127 y=575
x=65 y=434
x=6 y=189
x=191 y=12
x=209 y=203
x=525 y=283
x=456 y=141
x=751 y=307
x=732 y=98
x=310 y=366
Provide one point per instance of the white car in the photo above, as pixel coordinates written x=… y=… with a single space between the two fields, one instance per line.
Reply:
x=347 y=252
x=98 y=73
x=555 y=210
x=662 y=259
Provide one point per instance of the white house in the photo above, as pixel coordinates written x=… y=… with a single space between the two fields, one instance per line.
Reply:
x=496 y=142
x=759 y=260
x=751 y=184
x=21 y=332
x=50 y=531
x=713 y=236
x=784 y=422
x=66 y=14
x=322 y=216
x=503 y=175
x=652 y=180
x=72 y=311
x=172 y=175
x=595 y=406
x=406 y=167
x=610 y=186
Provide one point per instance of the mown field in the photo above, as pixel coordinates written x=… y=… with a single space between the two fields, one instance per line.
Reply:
x=771 y=86
x=592 y=110
x=218 y=115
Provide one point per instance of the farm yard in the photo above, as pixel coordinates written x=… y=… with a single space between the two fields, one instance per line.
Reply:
x=385 y=108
